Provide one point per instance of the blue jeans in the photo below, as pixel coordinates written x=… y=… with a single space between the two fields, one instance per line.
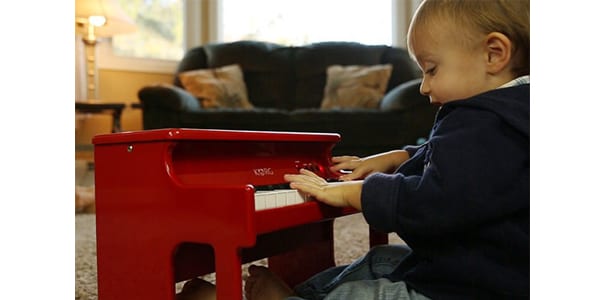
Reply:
x=363 y=279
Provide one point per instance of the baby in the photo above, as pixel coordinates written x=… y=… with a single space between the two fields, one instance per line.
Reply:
x=461 y=200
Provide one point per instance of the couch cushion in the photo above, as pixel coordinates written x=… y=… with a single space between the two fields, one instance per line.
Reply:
x=311 y=63
x=218 y=87
x=355 y=86
x=267 y=70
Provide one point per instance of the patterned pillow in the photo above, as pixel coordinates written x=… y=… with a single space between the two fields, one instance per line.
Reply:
x=222 y=87
x=355 y=86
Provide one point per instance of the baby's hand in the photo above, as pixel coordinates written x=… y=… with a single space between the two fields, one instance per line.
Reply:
x=362 y=167
x=335 y=194
x=349 y=166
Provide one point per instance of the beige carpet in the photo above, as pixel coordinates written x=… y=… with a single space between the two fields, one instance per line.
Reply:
x=351 y=241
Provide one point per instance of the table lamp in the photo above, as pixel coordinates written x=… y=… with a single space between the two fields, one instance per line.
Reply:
x=96 y=19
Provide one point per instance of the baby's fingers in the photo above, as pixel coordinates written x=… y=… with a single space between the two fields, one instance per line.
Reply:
x=346 y=164
x=351 y=176
x=344 y=158
x=307 y=189
x=313 y=178
x=304 y=176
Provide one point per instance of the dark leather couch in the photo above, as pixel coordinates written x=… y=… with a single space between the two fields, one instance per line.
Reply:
x=286 y=86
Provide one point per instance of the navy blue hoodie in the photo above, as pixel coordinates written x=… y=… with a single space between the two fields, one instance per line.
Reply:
x=461 y=202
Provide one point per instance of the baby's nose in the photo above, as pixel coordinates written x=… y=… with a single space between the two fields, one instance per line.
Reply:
x=424 y=89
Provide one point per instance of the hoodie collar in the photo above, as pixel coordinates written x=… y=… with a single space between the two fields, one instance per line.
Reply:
x=516 y=82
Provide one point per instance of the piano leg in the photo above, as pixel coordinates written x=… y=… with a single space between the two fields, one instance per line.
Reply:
x=229 y=273
x=134 y=272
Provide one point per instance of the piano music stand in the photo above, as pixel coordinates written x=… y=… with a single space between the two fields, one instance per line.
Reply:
x=173 y=204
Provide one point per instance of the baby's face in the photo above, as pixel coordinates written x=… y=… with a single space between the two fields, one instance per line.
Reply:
x=452 y=70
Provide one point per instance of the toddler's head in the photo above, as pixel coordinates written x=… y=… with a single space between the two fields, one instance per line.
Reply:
x=466 y=47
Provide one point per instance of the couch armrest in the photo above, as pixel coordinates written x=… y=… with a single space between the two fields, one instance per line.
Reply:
x=404 y=96
x=167 y=97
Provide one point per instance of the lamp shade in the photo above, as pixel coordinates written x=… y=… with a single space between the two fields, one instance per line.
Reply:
x=117 y=22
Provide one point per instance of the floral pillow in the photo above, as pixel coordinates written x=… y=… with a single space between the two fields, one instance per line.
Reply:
x=355 y=86
x=222 y=87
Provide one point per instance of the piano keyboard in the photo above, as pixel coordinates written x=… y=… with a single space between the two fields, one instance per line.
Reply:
x=277 y=198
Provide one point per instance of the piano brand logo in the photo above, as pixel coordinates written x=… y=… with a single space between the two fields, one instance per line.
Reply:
x=263 y=172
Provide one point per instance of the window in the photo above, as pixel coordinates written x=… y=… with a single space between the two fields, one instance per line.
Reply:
x=159 y=32
x=167 y=27
x=300 y=22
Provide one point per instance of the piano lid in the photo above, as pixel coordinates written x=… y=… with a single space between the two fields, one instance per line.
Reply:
x=184 y=134
x=235 y=157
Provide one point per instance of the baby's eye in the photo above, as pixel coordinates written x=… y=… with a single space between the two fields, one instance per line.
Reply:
x=431 y=71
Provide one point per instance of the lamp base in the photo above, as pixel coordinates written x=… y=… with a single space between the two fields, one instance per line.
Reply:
x=91 y=68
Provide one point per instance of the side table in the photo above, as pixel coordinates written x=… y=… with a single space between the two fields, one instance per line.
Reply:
x=115 y=109
x=84 y=170
x=84 y=152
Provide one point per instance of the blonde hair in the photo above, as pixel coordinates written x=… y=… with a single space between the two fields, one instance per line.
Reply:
x=509 y=17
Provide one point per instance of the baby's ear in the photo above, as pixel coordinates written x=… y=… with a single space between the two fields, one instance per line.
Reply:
x=499 y=52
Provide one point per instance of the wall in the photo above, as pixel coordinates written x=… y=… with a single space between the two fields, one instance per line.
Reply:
x=116 y=86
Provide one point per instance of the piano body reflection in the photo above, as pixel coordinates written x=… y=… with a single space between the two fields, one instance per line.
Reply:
x=173 y=204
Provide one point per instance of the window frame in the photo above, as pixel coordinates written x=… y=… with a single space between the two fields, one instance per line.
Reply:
x=202 y=19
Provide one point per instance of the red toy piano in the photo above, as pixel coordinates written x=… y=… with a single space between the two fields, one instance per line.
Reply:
x=174 y=204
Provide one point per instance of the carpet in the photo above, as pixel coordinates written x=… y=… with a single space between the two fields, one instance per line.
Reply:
x=351 y=241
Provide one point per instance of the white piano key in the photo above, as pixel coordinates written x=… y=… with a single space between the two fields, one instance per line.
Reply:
x=271 y=200
x=294 y=197
x=259 y=201
x=281 y=198
x=266 y=199
x=276 y=198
